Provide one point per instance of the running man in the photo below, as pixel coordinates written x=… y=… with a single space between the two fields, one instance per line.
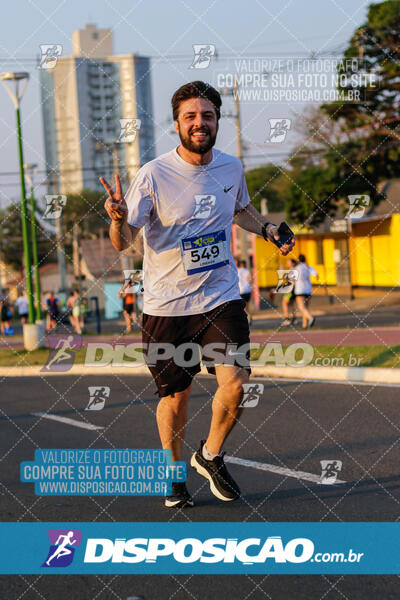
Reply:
x=191 y=291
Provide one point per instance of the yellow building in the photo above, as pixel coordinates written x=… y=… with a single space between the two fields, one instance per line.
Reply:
x=368 y=254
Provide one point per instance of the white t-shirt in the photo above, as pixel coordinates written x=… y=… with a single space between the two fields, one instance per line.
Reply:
x=22 y=304
x=187 y=213
x=303 y=283
x=244 y=280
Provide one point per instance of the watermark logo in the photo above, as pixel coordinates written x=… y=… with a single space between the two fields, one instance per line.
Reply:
x=330 y=470
x=297 y=79
x=97 y=397
x=49 y=55
x=61 y=356
x=357 y=206
x=202 y=55
x=63 y=543
x=133 y=282
x=278 y=129
x=189 y=354
x=286 y=280
x=203 y=205
x=251 y=396
x=54 y=206
x=129 y=129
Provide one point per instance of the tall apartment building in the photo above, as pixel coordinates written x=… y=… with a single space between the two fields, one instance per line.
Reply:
x=83 y=99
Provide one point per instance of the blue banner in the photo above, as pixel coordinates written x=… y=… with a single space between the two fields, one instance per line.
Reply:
x=200 y=548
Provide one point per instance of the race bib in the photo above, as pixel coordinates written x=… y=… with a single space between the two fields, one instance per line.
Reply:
x=205 y=252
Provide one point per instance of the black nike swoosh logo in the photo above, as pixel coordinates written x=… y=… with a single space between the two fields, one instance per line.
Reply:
x=227 y=189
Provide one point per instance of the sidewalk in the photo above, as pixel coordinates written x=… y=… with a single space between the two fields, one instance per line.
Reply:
x=366 y=336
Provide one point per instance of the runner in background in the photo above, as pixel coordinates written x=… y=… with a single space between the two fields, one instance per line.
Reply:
x=128 y=303
x=244 y=284
x=303 y=290
x=22 y=304
x=5 y=317
x=52 y=311
x=74 y=310
x=289 y=301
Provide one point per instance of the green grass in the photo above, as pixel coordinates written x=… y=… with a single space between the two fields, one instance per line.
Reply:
x=345 y=356
x=371 y=356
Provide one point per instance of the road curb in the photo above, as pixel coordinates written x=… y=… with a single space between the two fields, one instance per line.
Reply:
x=350 y=374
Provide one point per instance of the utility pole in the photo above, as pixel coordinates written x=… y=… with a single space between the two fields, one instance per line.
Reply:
x=236 y=116
x=244 y=235
x=76 y=259
x=59 y=238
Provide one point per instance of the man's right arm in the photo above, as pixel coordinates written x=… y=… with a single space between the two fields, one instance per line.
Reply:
x=122 y=235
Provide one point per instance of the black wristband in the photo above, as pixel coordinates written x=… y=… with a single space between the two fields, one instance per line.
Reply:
x=264 y=230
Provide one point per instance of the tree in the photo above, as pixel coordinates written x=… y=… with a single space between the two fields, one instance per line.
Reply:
x=11 y=248
x=87 y=210
x=270 y=183
x=371 y=152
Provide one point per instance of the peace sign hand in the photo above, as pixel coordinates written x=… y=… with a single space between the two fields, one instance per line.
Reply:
x=115 y=204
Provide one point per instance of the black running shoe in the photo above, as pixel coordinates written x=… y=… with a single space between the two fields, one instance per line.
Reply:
x=180 y=497
x=221 y=483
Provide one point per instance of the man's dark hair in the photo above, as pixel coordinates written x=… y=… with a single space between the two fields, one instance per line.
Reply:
x=196 y=89
x=302 y=258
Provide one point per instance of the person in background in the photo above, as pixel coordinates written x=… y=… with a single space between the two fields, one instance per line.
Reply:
x=74 y=308
x=83 y=305
x=52 y=311
x=303 y=290
x=289 y=301
x=128 y=303
x=5 y=317
x=22 y=304
x=244 y=283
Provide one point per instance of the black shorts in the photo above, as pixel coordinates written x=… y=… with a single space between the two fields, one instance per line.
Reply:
x=225 y=324
x=246 y=297
x=128 y=308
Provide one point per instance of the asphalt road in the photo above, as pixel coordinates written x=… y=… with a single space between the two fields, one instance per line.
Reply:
x=294 y=426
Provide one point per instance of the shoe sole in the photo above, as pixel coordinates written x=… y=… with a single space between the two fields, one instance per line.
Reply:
x=178 y=504
x=201 y=471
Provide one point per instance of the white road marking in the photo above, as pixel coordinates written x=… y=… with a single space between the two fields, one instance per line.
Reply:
x=347 y=382
x=68 y=421
x=278 y=470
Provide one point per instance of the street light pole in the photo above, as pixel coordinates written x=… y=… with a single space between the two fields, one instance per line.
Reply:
x=30 y=170
x=16 y=99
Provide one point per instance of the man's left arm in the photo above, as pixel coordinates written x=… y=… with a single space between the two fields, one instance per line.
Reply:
x=250 y=219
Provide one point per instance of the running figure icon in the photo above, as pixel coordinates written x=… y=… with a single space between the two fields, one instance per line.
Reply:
x=63 y=346
x=62 y=549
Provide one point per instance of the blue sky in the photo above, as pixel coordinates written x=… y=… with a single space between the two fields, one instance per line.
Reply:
x=167 y=31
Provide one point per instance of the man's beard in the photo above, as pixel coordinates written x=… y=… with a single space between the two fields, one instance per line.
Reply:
x=199 y=147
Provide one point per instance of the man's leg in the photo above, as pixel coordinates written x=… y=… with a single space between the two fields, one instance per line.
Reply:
x=225 y=406
x=303 y=309
x=127 y=321
x=171 y=421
